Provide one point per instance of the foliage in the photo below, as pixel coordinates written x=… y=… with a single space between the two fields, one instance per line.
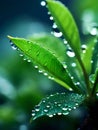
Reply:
x=72 y=65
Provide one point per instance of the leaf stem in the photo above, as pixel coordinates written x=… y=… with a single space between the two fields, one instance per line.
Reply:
x=85 y=75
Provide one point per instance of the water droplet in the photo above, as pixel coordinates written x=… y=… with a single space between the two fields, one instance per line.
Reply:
x=65 y=113
x=96 y=94
x=70 y=89
x=48 y=106
x=74 y=107
x=37 y=108
x=64 y=65
x=94 y=31
x=55 y=103
x=24 y=59
x=54 y=26
x=43 y=101
x=40 y=71
x=72 y=77
x=69 y=109
x=43 y=3
x=59 y=105
x=64 y=109
x=45 y=110
x=14 y=47
x=48 y=13
x=45 y=74
x=21 y=54
x=36 y=66
x=51 y=18
x=92 y=61
x=73 y=64
x=57 y=34
x=52 y=78
x=84 y=47
x=33 y=114
x=59 y=113
x=70 y=53
x=50 y=115
x=78 y=83
x=65 y=41
x=76 y=104
x=28 y=60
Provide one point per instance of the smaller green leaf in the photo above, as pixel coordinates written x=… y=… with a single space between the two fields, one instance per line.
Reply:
x=65 y=22
x=60 y=103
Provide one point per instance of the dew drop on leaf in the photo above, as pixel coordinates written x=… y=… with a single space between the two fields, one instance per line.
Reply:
x=73 y=64
x=65 y=109
x=24 y=59
x=50 y=115
x=48 y=13
x=96 y=94
x=54 y=26
x=40 y=71
x=72 y=77
x=59 y=113
x=84 y=47
x=59 y=105
x=43 y=3
x=36 y=66
x=51 y=18
x=94 y=31
x=92 y=61
x=70 y=53
x=45 y=74
x=57 y=34
x=65 y=41
x=37 y=108
x=48 y=106
x=28 y=60
x=65 y=113
x=33 y=114
x=14 y=47
x=45 y=110
x=21 y=54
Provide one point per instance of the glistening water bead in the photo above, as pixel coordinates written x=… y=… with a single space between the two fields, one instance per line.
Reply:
x=43 y=3
x=14 y=47
x=70 y=53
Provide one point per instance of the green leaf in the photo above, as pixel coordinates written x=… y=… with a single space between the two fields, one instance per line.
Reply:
x=45 y=60
x=66 y=24
x=60 y=103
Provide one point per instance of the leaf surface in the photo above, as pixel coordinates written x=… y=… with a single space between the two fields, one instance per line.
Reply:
x=60 y=103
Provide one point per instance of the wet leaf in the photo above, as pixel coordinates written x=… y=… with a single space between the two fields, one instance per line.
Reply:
x=60 y=103
x=65 y=23
x=44 y=60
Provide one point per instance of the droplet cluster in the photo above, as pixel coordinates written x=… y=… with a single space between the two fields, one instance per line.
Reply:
x=59 y=103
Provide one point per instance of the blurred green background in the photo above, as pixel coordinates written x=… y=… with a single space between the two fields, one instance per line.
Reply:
x=21 y=86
